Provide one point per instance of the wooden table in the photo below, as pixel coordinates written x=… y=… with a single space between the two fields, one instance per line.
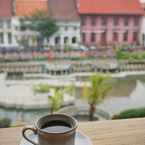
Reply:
x=120 y=132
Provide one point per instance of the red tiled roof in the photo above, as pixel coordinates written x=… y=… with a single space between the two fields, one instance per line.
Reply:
x=129 y=7
x=29 y=7
x=63 y=10
x=5 y=8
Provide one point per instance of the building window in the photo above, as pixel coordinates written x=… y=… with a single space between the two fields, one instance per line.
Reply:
x=16 y=27
x=135 y=36
x=116 y=21
x=83 y=37
x=143 y=39
x=93 y=37
x=75 y=28
x=104 y=21
x=9 y=38
x=136 y=21
x=57 y=40
x=65 y=40
x=66 y=28
x=22 y=28
x=93 y=21
x=115 y=36
x=104 y=38
x=1 y=24
x=83 y=20
x=1 y=38
x=125 y=36
x=47 y=39
x=8 y=24
x=126 y=21
x=74 y=40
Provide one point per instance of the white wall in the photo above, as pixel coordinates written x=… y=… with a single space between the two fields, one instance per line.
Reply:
x=14 y=24
x=67 y=29
x=142 y=30
x=15 y=30
x=142 y=1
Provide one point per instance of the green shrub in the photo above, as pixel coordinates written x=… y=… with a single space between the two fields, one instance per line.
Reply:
x=135 y=56
x=131 y=113
x=143 y=55
x=5 y=122
x=122 y=54
x=40 y=58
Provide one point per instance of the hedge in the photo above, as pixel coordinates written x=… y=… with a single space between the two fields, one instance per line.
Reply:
x=131 y=113
x=5 y=122
x=130 y=55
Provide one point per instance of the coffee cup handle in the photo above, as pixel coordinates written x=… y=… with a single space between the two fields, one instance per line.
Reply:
x=34 y=130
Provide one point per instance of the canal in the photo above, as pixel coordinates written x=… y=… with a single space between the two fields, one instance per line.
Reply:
x=128 y=92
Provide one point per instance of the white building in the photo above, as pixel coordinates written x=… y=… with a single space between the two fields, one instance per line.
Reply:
x=7 y=37
x=142 y=33
x=6 y=33
x=10 y=33
x=68 y=34
x=66 y=17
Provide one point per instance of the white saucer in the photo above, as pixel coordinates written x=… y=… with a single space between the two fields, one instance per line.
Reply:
x=80 y=139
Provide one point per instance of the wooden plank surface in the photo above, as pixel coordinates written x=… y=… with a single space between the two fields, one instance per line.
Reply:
x=120 y=132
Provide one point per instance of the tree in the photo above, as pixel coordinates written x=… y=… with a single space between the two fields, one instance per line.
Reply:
x=96 y=92
x=23 y=41
x=56 y=94
x=40 y=22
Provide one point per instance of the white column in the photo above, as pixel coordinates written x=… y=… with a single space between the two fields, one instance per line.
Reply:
x=61 y=40
x=5 y=35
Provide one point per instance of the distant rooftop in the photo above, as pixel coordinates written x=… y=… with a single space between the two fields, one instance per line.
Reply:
x=115 y=7
x=61 y=10
x=5 y=8
x=64 y=10
x=29 y=7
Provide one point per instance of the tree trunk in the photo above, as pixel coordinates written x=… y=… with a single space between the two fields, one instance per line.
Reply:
x=92 y=111
x=51 y=110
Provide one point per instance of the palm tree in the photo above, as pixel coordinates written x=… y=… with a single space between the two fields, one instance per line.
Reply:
x=56 y=99
x=96 y=92
x=56 y=95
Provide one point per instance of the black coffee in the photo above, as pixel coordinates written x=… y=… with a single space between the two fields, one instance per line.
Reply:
x=56 y=127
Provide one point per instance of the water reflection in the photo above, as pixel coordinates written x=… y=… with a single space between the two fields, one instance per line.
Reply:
x=136 y=99
x=128 y=92
x=22 y=115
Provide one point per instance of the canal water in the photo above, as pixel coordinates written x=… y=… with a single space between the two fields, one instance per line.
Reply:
x=128 y=92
